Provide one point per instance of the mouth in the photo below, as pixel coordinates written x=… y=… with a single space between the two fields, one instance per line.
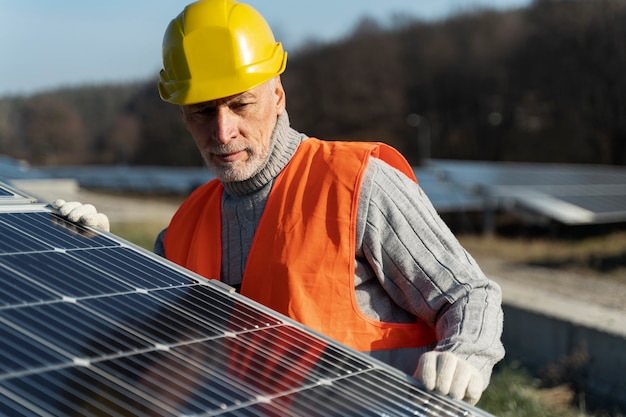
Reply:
x=229 y=157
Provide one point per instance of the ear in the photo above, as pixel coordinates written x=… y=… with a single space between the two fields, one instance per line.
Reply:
x=281 y=99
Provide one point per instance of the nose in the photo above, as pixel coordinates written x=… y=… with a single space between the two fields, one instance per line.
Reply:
x=225 y=128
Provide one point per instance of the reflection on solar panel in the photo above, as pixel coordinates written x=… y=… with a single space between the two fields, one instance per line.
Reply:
x=91 y=326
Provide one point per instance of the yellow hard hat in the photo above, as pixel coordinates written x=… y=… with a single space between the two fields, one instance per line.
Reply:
x=215 y=49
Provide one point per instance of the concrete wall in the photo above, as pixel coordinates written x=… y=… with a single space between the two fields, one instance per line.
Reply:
x=592 y=360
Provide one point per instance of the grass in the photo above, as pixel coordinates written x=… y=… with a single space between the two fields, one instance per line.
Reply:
x=594 y=254
x=141 y=234
x=513 y=392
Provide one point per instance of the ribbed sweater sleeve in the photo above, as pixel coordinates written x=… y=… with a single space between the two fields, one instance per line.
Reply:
x=407 y=257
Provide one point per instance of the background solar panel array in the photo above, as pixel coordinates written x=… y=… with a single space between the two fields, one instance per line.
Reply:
x=573 y=194
x=570 y=194
x=91 y=325
x=445 y=196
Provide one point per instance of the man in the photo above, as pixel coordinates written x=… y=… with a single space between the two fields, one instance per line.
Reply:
x=338 y=236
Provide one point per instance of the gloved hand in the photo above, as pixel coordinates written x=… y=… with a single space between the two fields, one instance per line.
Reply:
x=85 y=214
x=447 y=374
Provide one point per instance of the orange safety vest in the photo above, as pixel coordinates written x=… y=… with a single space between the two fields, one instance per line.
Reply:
x=301 y=262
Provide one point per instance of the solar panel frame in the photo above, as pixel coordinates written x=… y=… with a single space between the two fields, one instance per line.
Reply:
x=11 y=195
x=178 y=344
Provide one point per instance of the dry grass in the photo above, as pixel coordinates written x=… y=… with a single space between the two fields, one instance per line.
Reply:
x=601 y=254
x=141 y=234
x=513 y=392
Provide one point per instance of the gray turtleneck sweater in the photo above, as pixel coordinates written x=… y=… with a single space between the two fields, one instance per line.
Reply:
x=407 y=261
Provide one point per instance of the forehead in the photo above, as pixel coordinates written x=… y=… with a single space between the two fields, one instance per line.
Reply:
x=251 y=94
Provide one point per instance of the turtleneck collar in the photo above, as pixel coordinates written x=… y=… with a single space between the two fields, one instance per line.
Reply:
x=283 y=145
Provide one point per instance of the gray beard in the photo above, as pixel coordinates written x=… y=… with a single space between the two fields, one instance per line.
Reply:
x=237 y=171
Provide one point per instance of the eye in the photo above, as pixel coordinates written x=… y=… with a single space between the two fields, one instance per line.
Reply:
x=204 y=111
x=239 y=105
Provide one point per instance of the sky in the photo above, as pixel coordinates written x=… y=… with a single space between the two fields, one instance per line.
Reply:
x=48 y=44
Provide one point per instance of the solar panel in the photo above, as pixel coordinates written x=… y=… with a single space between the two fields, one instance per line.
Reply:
x=570 y=194
x=570 y=204
x=445 y=196
x=91 y=325
x=10 y=195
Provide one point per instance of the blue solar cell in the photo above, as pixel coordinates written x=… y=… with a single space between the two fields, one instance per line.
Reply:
x=80 y=391
x=153 y=367
x=133 y=268
x=16 y=289
x=206 y=304
x=152 y=319
x=43 y=230
x=14 y=241
x=74 y=330
x=57 y=271
x=10 y=405
x=20 y=353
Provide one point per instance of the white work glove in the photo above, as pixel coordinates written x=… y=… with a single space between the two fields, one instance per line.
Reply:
x=85 y=214
x=447 y=374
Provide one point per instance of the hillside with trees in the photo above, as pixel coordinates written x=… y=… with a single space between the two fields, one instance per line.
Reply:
x=544 y=83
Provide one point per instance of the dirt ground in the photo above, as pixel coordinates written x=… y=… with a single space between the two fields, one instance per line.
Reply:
x=585 y=287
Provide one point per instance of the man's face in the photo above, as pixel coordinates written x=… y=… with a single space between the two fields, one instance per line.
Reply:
x=233 y=134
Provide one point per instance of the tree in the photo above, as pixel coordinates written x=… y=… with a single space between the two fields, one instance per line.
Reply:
x=350 y=89
x=164 y=140
x=51 y=131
